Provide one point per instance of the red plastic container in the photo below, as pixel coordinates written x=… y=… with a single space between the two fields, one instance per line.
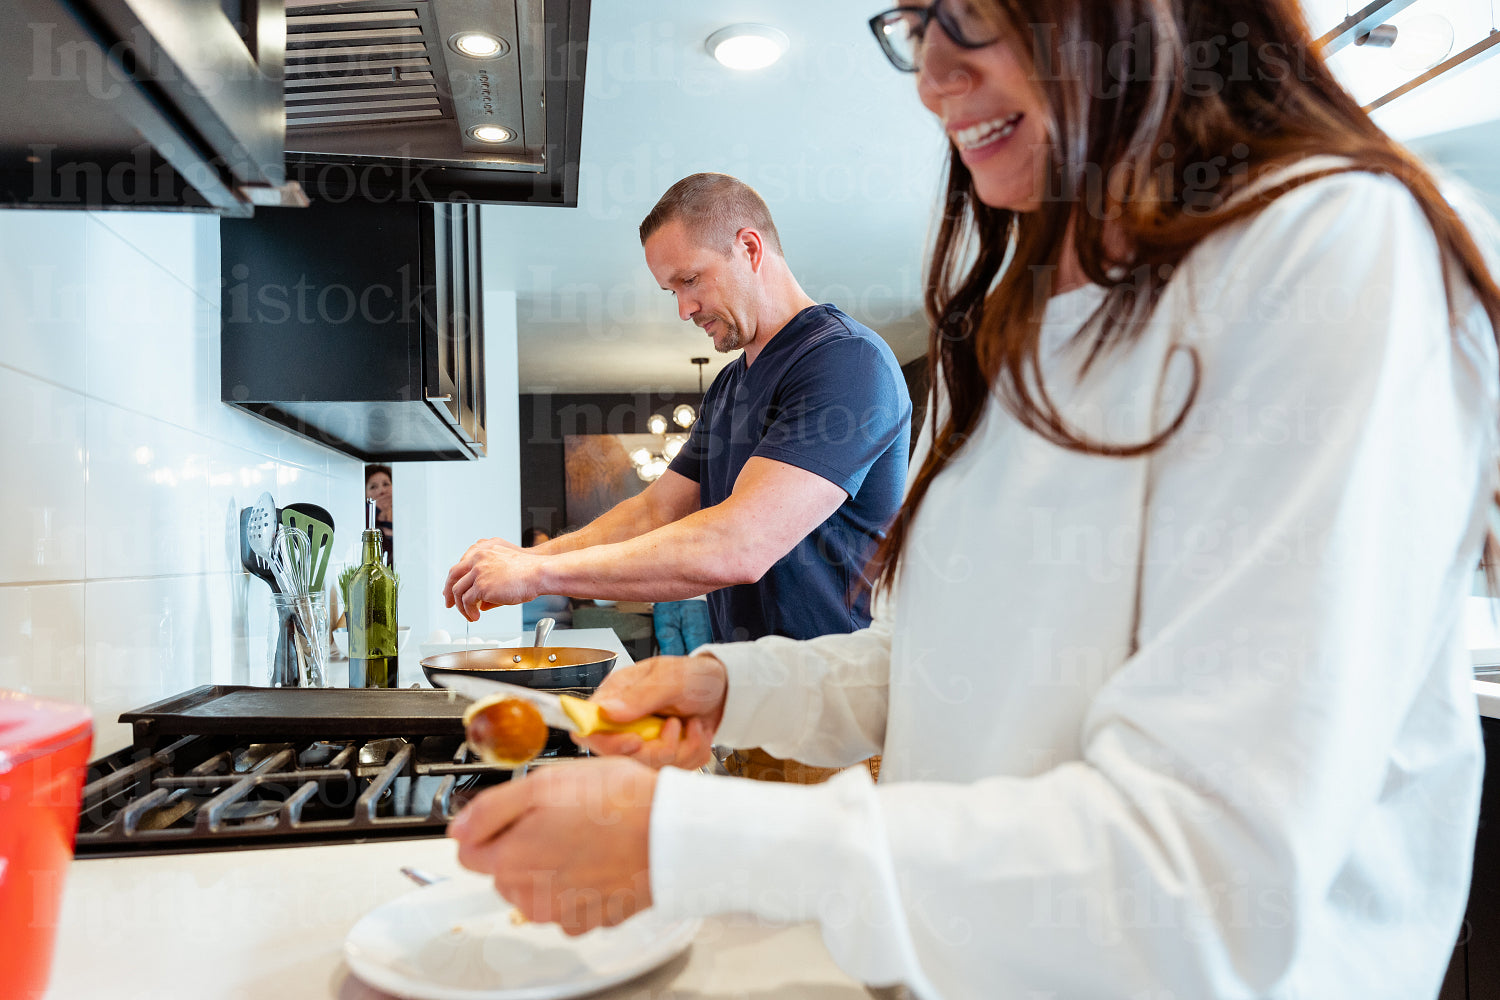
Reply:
x=44 y=753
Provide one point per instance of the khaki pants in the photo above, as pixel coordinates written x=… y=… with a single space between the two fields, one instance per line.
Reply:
x=758 y=765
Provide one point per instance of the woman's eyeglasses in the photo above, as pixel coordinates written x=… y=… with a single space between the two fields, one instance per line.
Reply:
x=901 y=30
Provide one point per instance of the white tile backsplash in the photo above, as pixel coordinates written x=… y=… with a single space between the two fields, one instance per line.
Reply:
x=42 y=265
x=305 y=454
x=186 y=246
x=150 y=334
x=124 y=471
x=146 y=639
x=42 y=451
x=41 y=641
x=149 y=497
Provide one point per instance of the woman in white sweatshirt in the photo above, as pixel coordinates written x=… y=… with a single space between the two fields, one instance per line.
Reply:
x=1169 y=677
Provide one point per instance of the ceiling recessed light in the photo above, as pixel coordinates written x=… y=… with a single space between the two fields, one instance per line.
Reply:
x=478 y=45
x=491 y=133
x=748 y=46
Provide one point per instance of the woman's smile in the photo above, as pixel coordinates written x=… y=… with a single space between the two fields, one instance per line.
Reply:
x=980 y=140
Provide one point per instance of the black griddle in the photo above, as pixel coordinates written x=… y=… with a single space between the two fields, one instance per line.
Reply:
x=325 y=713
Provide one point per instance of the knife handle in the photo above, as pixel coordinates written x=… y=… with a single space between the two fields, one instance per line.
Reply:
x=587 y=717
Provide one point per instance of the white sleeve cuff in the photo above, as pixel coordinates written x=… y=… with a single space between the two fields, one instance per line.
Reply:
x=786 y=853
x=762 y=706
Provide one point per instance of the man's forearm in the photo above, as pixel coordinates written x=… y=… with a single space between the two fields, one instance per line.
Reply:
x=627 y=519
x=673 y=562
x=691 y=551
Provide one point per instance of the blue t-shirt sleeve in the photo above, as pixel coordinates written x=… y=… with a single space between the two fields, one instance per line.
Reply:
x=689 y=461
x=838 y=409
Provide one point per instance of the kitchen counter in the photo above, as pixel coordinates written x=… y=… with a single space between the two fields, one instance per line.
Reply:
x=1488 y=694
x=271 y=923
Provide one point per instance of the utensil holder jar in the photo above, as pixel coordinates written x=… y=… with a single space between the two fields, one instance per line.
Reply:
x=299 y=645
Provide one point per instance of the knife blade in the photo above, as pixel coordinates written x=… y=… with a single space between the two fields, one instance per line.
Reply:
x=559 y=711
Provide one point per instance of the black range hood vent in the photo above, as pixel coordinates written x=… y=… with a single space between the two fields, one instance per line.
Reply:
x=369 y=66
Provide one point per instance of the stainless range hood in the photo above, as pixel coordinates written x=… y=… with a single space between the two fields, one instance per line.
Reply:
x=389 y=98
x=228 y=104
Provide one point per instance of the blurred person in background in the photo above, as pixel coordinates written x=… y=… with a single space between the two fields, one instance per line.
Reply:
x=378 y=488
x=681 y=626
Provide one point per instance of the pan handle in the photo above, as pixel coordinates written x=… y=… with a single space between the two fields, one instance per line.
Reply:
x=543 y=629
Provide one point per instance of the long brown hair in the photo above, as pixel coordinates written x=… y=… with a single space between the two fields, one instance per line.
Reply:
x=1197 y=99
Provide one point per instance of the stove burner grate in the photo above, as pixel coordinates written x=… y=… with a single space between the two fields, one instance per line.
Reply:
x=213 y=792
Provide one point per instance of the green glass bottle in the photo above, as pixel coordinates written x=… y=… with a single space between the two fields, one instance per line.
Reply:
x=372 y=614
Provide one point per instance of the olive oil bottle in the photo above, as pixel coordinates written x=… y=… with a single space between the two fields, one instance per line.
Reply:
x=372 y=613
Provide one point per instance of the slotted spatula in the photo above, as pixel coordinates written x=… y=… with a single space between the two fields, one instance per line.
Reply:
x=263 y=523
x=249 y=558
x=317 y=524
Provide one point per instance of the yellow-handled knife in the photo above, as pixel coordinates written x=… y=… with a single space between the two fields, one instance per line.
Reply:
x=560 y=711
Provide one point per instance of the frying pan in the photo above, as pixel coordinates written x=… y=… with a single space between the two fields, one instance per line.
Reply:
x=542 y=667
x=574 y=666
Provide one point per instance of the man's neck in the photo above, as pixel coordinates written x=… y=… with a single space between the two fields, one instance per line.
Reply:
x=785 y=301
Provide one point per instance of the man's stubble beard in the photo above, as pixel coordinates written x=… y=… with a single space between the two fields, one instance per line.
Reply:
x=733 y=340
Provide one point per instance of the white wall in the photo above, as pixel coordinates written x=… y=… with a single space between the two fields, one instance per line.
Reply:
x=441 y=508
x=1469 y=155
x=123 y=473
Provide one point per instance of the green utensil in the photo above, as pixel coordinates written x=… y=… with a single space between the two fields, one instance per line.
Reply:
x=317 y=523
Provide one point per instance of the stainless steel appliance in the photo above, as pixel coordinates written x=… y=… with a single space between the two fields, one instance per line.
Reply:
x=436 y=100
x=140 y=104
x=166 y=104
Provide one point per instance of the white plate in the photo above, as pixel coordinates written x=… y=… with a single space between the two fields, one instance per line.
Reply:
x=454 y=941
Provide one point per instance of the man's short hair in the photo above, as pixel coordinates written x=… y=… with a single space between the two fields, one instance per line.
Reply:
x=714 y=207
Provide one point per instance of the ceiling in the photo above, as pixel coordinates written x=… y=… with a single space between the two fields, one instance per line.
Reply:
x=1458 y=99
x=831 y=136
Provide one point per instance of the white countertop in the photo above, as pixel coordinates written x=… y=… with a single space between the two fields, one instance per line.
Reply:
x=270 y=924
x=1488 y=694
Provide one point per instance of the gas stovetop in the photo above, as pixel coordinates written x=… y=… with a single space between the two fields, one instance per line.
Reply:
x=232 y=767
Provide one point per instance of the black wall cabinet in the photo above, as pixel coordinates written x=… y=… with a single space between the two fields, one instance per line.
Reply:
x=359 y=326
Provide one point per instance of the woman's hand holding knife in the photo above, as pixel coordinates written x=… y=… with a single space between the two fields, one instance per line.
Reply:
x=570 y=843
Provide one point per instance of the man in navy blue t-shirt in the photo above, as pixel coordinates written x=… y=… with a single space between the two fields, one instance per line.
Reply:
x=819 y=398
x=790 y=475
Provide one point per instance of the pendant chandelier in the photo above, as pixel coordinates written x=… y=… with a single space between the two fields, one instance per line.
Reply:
x=650 y=463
